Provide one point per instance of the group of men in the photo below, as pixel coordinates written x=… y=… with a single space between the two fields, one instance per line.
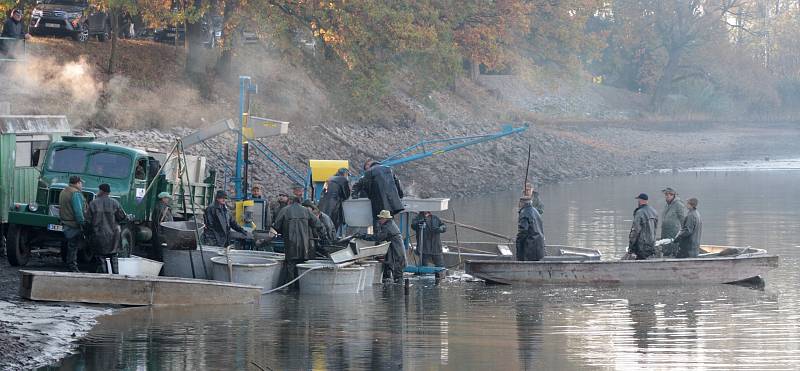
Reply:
x=99 y=224
x=681 y=228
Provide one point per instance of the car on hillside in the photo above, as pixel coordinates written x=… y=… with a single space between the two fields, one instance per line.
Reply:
x=74 y=18
x=212 y=32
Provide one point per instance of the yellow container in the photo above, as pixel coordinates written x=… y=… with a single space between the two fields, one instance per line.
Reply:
x=321 y=170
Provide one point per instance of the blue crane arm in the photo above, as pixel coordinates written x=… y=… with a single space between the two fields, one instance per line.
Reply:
x=450 y=144
x=292 y=173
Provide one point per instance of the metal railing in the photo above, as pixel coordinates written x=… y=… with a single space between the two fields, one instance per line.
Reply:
x=13 y=49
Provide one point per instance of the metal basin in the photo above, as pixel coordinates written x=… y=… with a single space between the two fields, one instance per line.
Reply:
x=280 y=258
x=181 y=235
x=180 y=263
x=251 y=270
x=137 y=266
x=327 y=279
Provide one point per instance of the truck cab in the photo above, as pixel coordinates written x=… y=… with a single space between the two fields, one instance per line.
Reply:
x=132 y=173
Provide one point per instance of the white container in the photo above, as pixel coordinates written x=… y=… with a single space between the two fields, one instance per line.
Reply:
x=330 y=280
x=425 y=204
x=137 y=266
x=250 y=270
x=178 y=263
x=358 y=213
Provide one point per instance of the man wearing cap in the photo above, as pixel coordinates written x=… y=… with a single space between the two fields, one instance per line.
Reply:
x=105 y=215
x=671 y=218
x=530 y=233
x=12 y=28
x=337 y=191
x=297 y=191
x=691 y=231
x=276 y=206
x=382 y=187
x=71 y=212
x=642 y=238
x=429 y=229
x=161 y=213
x=297 y=224
x=219 y=222
x=395 y=260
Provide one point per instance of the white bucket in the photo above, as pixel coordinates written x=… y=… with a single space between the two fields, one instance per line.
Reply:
x=251 y=270
x=330 y=280
x=358 y=213
x=136 y=266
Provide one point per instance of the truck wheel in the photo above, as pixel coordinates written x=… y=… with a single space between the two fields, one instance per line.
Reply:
x=127 y=242
x=19 y=252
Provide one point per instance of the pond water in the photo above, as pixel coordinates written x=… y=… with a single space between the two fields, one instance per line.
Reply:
x=468 y=325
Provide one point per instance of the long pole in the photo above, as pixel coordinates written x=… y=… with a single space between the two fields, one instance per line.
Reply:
x=527 y=167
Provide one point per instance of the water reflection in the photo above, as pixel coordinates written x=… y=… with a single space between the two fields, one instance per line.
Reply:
x=458 y=325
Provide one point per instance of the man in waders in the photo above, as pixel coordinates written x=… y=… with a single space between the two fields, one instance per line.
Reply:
x=530 y=232
x=671 y=218
x=297 y=224
x=395 y=260
x=71 y=212
x=429 y=229
x=691 y=231
x=105 y=215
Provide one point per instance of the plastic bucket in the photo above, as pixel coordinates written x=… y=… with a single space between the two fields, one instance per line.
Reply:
x=251 y=270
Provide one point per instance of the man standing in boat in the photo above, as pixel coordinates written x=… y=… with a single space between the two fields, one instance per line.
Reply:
x=671 y=218
x=691 y=231
x=382 y=187
x=535 y=200
x=429 y=229
x=642 y=238
x=530 y=233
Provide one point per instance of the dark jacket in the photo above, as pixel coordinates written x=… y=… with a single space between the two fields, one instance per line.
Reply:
x=396 y=255
x=689 y=236
x=328 y=232
x=219 y=222
x=13 y=29
x=382 y=188
x=331 y=203
x=161 y=213
x=642 y=238
x=275 y=207
x=105 y=214
x=530 y=234
x=295 y=223
x=429 y=234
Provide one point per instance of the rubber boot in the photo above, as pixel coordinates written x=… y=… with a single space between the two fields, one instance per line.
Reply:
x=114 y=264
x=100 y=262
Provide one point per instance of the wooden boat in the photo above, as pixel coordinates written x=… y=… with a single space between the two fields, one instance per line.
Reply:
x=713 y=267
x=127 y=290
x=504 y=251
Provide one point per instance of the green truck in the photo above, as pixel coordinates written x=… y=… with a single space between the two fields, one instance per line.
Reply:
x=135 y=180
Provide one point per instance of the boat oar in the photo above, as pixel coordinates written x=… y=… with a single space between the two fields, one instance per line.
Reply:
x=478 y=229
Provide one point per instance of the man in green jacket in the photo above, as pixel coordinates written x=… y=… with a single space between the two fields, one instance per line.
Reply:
x=71 y=212
x=691 y=231
x=671 y=218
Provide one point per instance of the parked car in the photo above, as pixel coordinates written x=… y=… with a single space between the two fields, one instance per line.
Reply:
x=75 y=18
x=212 y=31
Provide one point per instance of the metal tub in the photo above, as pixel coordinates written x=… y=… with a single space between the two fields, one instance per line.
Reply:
x=181 y=235
x=280 y=258
x=178 y=263
x=327 y=279
x=137 y=266
x=251 y=270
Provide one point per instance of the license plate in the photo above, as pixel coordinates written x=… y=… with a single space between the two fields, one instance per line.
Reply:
x=55 y=227
x=52 y=25
x=170 y=35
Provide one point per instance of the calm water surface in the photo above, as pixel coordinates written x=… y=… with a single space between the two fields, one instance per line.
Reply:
x=468 y=325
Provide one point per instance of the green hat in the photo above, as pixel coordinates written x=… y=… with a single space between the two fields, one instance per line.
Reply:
x=164 y=195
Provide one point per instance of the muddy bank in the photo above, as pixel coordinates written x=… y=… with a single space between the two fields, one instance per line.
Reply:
x=35 y=334
x=559 y=151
